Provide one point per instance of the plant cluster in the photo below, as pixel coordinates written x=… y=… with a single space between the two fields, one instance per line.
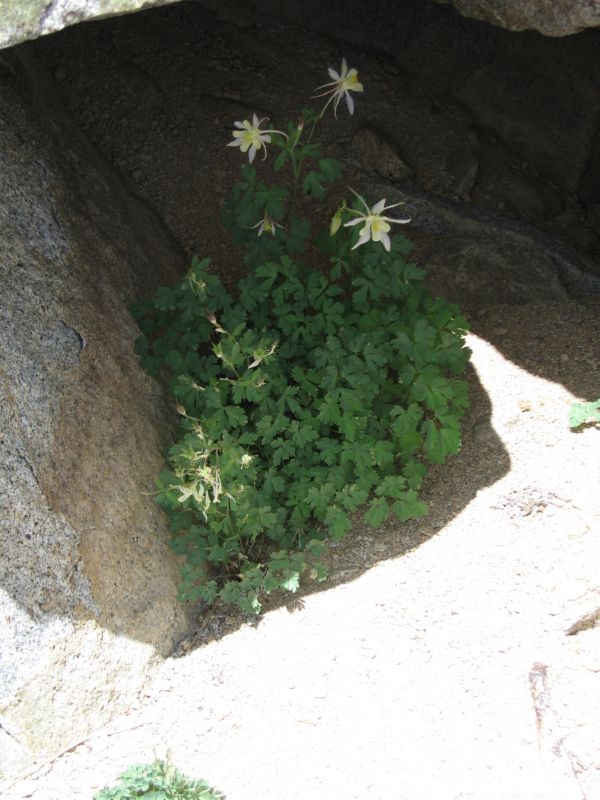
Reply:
x=325 y=387
x=158 y=781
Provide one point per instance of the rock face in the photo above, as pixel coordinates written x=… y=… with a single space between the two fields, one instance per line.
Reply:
x=21 y=20
x=474 y=256
x=29 y=19
x=87 y=581
x=550 y=17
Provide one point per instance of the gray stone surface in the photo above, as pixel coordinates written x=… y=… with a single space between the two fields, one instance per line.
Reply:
x=550 y=17
x=87 y=582
x=475 y=256
x=28 y=19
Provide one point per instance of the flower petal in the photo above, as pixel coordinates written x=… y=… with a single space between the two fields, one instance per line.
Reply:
x=251 y=154
x=379 y=229
x=366 y=232
x=333 y=74
x=385 y=241
x=362 y=240
x=325 y=85
x=349 y=102
x=378 y=207
x=344 y=70
x=336 y=101
x=353 y=222
x=399 y=221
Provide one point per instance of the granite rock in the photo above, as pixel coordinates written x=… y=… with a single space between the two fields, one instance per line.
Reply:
x=84 y=557
x=550 y=17
x=28 y=19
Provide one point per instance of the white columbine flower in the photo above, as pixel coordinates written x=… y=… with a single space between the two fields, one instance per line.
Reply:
x=250 y=138
x=375 y=225
x=340 y=86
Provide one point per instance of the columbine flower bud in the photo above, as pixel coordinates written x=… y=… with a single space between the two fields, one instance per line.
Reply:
x=336 y=220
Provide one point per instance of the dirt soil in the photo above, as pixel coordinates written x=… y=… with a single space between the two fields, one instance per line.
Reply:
x=457 y=656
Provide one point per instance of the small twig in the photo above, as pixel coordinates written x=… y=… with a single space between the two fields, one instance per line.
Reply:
x=584 y=623
x=550 y=740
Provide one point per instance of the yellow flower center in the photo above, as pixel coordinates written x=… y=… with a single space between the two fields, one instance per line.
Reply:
x=378 y=224
x=350 y=81
x=252 y=137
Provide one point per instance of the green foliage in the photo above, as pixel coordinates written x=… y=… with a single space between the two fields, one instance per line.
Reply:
x=582 y=414
x=158 y=781
x=320 y=391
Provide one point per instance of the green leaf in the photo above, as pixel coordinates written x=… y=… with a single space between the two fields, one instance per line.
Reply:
x=176 y=362
x=312 y=185
x=350 y=426
x=404 y=428
x=338 y=522
x=319 y=498
x=280 y=160
x=291 y=582
x=236 y=416
x=414 y=472
x=409 y=507
x=378 y=512
x=283 y=449
x=393 y=486
x=269 y=272
x=440 y=442
x=383 y=453
x=352 y=496
x=331 y=169
x=319 y=572
x=584 y=413
x=329 y=413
